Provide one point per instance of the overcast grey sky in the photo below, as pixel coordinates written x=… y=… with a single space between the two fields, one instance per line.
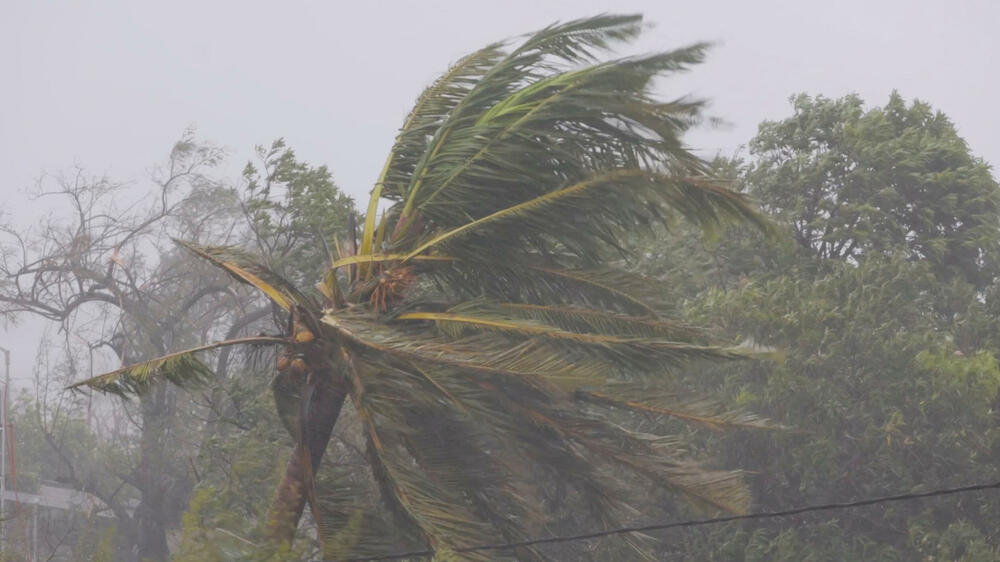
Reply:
x=111 y=85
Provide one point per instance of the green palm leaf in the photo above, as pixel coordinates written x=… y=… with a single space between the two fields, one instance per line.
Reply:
x=433 y=106
x=245 y=268
x=589 y=320
x=706 y=412
x=182 y=368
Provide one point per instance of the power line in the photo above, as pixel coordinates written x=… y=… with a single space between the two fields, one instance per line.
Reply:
x=692 y=522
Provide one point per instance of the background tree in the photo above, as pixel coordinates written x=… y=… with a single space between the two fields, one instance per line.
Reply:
x=893 y=179
x=104 y=274
x=885 y=312
x=112 y=280
x=295 y=213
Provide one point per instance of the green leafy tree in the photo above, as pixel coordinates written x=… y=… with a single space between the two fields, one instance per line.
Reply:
x=890 y=376
x=482 y=332
x=883 y=401
x=894 y=179
x=295 y=212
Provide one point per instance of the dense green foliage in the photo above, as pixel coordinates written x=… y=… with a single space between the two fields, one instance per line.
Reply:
x=891 y=180
x=887 y=319
x=295 y=212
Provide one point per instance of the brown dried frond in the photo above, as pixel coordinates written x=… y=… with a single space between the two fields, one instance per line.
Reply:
x=390 y=286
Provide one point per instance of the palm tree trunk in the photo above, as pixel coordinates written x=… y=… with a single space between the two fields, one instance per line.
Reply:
x=322 y=399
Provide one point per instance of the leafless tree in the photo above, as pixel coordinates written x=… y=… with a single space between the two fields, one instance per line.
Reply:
x=112 y=282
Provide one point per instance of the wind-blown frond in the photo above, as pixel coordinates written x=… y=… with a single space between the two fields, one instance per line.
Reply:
x=600 y=198
x=435 y=512
x=580 y=137
x=477 y=355
x=627 y=351
x=182 y=368
x=653 y=458
x=471 y=457
x=719 y=489
x=570 y=43
x=357 y=528
x=385 y=258
x=527 y=114
x=432 y=107
x=245 y=268
x=703 y=411
x=589 y=320
x=530 y=281
x=657 y=461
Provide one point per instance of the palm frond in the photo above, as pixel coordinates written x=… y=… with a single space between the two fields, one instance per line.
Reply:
x=719 y=489
x=566 y=197
x=589 y=320
x=245 y=268
x=441 y=518
x=386 y=258
x=349 y=519
x=527 y=360
x=706 y=412
x=528 y=114
x=353 y=523
x=628 y=351
x=476 y=455
x=573 y=42
x=654 y=458
x=608 y=287
x=431 y=108
x=182 y=368
x=657 y=461
x=499 y=276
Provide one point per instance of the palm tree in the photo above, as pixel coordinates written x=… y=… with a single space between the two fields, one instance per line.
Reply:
x=483 y=330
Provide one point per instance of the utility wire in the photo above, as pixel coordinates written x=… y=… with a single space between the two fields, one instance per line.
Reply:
x=691 y=523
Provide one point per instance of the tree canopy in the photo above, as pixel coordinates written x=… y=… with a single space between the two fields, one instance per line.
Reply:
x=890 y=378
x=891 y=179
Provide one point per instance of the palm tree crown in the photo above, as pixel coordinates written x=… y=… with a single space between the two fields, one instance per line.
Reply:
x=482 y=330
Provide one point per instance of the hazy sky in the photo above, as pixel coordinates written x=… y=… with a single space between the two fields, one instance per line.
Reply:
x=111 y=85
